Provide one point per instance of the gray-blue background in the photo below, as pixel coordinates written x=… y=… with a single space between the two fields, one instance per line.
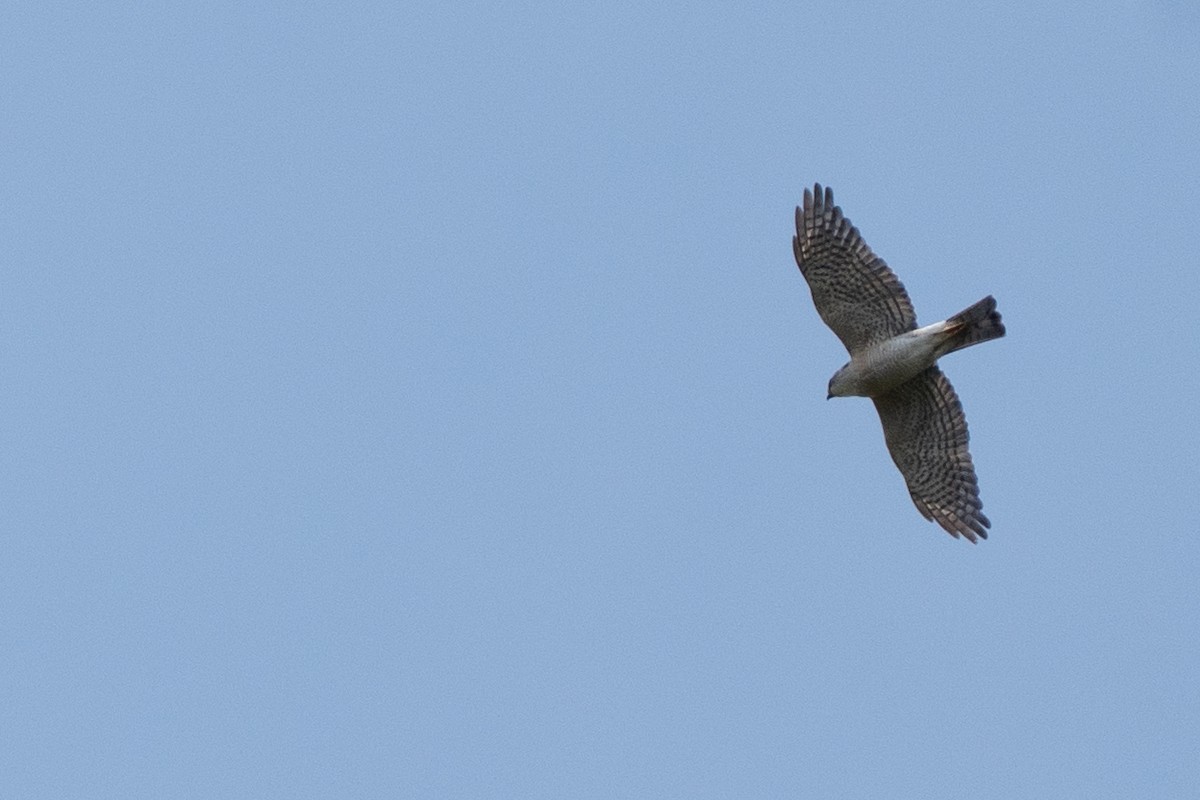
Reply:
x=421 y=400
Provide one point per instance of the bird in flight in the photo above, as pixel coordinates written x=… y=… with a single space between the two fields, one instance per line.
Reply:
x=894 y=362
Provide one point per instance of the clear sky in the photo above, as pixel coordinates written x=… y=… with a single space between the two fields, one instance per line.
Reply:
x=421 y=400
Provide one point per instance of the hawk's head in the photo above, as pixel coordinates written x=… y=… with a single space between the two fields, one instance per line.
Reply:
x=843 y=384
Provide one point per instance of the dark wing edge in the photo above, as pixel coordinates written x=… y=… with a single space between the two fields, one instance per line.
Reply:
x=855 y=292
x=926 y=433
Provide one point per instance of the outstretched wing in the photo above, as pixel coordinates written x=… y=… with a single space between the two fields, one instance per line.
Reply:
x=926 y=434
x=854 y=291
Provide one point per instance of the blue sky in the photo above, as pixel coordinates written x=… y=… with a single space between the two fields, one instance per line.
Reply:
x=422 y=401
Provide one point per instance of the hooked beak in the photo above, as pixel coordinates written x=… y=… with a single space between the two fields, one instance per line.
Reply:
x=829 y=396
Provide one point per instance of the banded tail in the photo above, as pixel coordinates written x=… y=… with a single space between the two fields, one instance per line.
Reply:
x=979 y=323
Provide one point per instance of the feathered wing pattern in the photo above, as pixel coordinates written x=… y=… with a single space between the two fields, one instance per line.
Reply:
x=855 y=293
x=926 y=434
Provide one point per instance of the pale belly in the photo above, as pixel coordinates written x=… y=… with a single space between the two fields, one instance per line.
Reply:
x=891 y=363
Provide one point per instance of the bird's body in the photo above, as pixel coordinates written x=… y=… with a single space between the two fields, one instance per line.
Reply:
x=894 y=362
x=881 y=367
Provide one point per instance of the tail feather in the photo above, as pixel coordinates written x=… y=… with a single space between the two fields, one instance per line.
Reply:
x=979 y=323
